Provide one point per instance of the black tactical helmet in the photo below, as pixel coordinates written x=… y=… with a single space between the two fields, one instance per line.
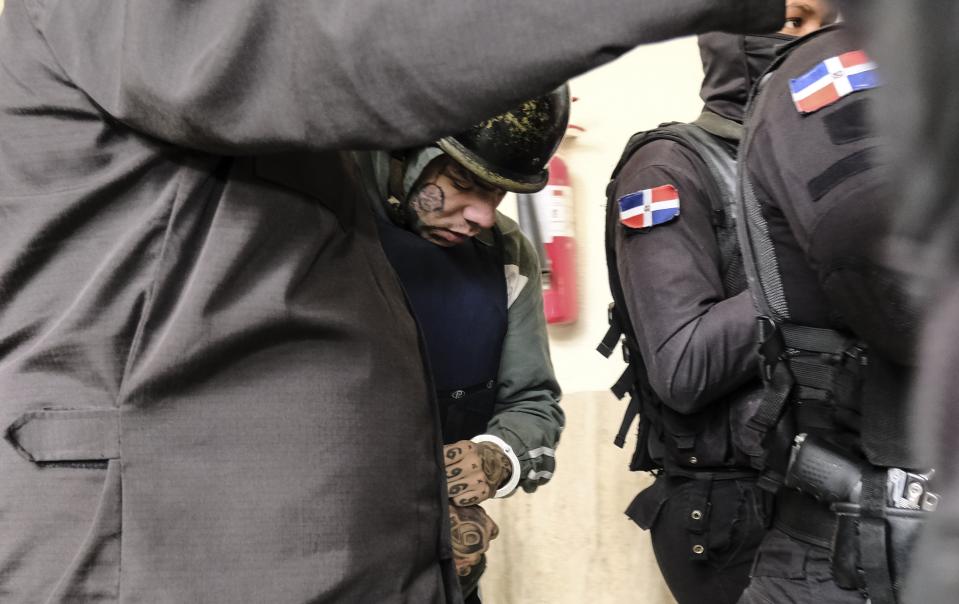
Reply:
x=512 y=149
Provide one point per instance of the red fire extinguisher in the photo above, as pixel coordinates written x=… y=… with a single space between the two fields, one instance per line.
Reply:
x=547 y=219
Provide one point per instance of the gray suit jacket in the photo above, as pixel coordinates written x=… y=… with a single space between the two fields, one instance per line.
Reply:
x=209 y=378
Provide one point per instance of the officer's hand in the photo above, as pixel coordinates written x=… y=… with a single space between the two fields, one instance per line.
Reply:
x=474 y=471
x=471 y=531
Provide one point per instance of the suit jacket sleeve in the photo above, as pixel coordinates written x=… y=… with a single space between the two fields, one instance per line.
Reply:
x=248 y=76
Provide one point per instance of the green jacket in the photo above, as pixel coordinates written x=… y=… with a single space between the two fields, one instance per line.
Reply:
x=527 y=415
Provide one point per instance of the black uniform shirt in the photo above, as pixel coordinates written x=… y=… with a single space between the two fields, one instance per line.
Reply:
x=697 y=344
x=822 y=188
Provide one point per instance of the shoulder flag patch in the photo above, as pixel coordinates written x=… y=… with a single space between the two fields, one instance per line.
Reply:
x=833 y=79
x=644 y=209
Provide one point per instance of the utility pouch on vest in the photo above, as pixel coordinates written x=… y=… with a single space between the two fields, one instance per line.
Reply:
x=643 y=459
x=701 y=441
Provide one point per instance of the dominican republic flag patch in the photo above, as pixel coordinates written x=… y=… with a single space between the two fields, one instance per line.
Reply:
x=644 y=209
x=833 y=79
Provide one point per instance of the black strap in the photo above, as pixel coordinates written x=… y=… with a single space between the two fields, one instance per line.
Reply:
x=720 y=126
x=625 y=384
x=813 y=373
x=815 y=339
x=697 y=519
x=779 y=384
x=873 y=545
x=611 y=339
x=632 y=410
x=673 y=470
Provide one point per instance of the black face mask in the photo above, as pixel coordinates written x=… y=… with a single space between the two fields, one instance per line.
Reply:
x=760 y=51
x=732 y=65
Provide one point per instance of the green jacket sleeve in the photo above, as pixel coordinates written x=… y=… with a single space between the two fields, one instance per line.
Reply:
x=527 y=415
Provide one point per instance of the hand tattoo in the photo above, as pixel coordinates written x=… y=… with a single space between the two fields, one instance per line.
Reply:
x=471 y=531
x=496 y=465
x=474 y=471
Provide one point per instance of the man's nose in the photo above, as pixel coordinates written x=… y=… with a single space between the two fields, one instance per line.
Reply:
x=481 y=213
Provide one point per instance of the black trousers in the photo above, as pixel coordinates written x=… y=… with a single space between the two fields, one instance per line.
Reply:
x=704 y=533
x=788 y=571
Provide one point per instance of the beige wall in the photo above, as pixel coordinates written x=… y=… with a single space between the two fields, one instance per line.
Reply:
x=570 y=543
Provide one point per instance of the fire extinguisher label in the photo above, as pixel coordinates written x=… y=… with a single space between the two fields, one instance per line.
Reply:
x=555 y=212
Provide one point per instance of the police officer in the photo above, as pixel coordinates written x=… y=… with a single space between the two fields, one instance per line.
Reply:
x=473 y=282
x=211 y=383
x=680 y=297
x=836 y=334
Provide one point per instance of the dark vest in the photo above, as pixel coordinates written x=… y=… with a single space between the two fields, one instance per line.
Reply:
x=458 y=295
x=710 y=439
x=818 y=380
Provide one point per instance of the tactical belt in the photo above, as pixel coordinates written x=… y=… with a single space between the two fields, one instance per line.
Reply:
x=673 y=471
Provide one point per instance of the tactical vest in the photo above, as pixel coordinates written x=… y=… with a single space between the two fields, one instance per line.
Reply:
x=816 y=379
x=458 y=296
x=828 y=427
x=710 y=440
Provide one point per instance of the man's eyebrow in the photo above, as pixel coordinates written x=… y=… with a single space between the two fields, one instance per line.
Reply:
x=458 y=171
x=803 y=6
x=486 y=186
